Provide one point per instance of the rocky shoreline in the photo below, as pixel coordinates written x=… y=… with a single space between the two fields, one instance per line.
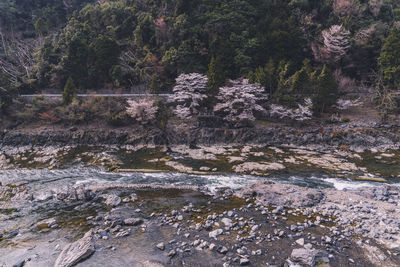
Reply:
x=354 y=136
x=264 y=224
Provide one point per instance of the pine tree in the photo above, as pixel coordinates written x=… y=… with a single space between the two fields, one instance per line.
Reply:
x=69 y=92
x=327 y=91
x=265 y=77
x=270 y=74
x=155 y=86
x=389 y=60
x=215 y=77
x=301 y=80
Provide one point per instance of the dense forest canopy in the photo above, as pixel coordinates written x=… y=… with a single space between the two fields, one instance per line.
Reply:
x=123 y=43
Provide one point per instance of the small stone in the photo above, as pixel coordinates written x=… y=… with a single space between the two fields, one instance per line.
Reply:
x=223 y=250
x=172 y=253
x=300 y=241
x=227 y=222
x=161 y=246
x=244 y=261
x=215 y=233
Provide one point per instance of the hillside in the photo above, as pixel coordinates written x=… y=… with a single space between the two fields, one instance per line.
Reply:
x=294 y=49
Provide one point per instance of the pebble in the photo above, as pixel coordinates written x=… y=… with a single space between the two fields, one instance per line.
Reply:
x=161 y=246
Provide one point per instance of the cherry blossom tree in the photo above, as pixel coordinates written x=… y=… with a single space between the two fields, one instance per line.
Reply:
x=241 y=101
x=143 y=111
x=336 y=41
x=346 y=104
x=189 y=94
x=302 y=113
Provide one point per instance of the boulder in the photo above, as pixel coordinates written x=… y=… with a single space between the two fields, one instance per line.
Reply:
x=133 y=221
x=215 y=233
x=76 y=252
x=309 y=257
x=272 y=194
x=113 y=200
x=72 y=194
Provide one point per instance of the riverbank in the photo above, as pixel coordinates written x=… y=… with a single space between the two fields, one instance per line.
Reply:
x=208 y=130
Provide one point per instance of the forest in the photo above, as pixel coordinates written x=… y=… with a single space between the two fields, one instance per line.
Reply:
x=294 y=49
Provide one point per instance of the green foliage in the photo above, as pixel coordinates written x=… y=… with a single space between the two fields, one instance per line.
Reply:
x=104 y=55
x=40 y=26
x=75 y=63
x=69 y=92
x=389 y=60
x=124 y=42
x=301 y=81
x=155 y=86
x=266 y=76
x=326 y=93
x=215 y=77
x=162 y=115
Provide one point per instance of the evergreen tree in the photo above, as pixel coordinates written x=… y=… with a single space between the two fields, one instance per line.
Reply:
x=75 y=63
x=270 y=72
x=327 y=91
x=69 y=92
x=215 y=76
x=389 y=60
x=155 y=86
x=265 y=76
x=301 y=80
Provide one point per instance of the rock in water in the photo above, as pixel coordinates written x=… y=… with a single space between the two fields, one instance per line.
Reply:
x=76 y=252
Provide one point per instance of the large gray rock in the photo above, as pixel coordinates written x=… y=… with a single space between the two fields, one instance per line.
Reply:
x=271 y=194
x=133 y=221
x=72 y=194
x=76 y=252
x=113 y=200
x=309 y=257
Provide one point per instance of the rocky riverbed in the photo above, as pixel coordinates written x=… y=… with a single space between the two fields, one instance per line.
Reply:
x=264 y=196
x=263 y=224
x=381 y=165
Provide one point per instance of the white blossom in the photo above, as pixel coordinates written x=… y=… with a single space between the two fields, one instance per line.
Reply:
x=336 y=40
x=346 y=104
x=143 y=111
x=240 y=101
x=302 y=113
x=189 y=93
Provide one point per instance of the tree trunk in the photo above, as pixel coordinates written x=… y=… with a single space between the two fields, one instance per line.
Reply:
x=3 y=41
